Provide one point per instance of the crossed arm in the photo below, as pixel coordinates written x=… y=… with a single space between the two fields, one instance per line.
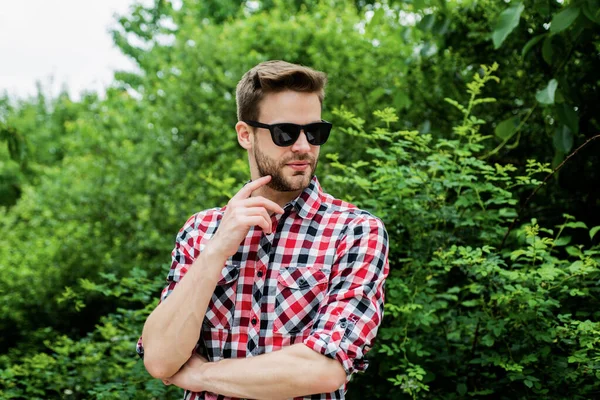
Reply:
x=291 y=372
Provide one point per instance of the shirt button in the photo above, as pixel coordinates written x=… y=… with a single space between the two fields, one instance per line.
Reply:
x=259 y=274
x=254 y=321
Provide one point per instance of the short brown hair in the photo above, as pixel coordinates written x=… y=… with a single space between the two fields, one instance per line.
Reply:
x=275 y=76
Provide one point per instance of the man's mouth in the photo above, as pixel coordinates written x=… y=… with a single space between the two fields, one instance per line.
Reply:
x=298 y=165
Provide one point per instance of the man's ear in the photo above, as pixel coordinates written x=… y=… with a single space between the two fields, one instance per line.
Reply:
x=244 y=135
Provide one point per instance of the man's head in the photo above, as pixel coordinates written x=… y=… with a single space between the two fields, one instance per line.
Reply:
x=277 y=92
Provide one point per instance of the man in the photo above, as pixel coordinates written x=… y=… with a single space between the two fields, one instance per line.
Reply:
x=283 y=288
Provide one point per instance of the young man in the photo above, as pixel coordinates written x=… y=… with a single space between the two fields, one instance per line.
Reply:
x=283 y=288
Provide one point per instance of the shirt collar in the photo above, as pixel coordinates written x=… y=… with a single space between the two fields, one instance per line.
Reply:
x=307 y=204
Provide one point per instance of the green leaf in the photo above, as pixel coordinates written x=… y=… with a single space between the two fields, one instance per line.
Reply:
x=401 y=100
x=441 y=26
x=426 y=22
x=578 y=224
x=563 y=139
x=488 y=340
x=507 y=21
x=573 y=251
x=591 y=9
x=528 y=383
x=563 y=19
x=376 y=94
x=546 y=95
x=562 y=241
x=547 y=50
x=568 y=116
x=456 y=104
x=559 y=157
x=507 y=128
x=532 y=42
x=419 y=4
x=375 y=22
x=461 y=388
x=593 y=231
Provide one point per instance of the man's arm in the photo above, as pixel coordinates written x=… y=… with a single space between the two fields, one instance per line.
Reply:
x=290 y=372
x=173 y=328
x=343 y=331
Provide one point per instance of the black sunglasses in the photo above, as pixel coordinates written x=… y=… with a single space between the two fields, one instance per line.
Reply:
x=286 y=134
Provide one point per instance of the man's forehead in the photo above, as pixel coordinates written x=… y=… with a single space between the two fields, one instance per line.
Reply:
x=290 y=106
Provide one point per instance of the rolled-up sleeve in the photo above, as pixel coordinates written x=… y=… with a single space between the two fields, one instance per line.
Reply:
x=182 y=257
x=348 y=320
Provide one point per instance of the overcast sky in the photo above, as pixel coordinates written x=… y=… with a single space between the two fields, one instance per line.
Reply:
x=64 y=39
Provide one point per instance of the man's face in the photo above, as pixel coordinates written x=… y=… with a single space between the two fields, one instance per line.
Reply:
x=291 y=168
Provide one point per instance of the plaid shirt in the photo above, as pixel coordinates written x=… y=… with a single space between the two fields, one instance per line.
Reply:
x=318 y=280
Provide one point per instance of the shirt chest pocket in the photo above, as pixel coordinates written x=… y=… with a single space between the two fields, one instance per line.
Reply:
x=221 y=307
x=300 y=292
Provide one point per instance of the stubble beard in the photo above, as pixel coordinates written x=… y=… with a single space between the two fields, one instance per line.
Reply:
x=268 y=166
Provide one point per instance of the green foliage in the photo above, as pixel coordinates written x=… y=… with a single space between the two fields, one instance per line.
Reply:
x=101 y=365
x=507 y=22
x=130 y=170
x=564 y=19
x=546 y=95
x=462 y=316
x=92 y=192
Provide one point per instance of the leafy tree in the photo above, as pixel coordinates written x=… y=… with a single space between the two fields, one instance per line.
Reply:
x=92 y=192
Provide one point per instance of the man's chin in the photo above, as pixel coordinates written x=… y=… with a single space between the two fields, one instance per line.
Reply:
x=300 y=181
x=296 y=182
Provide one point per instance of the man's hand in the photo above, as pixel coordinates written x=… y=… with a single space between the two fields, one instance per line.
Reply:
x=294 y=371
x=188 y=377
x=243 y=212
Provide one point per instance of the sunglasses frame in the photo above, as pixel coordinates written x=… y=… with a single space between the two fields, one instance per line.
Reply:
x=299 y=128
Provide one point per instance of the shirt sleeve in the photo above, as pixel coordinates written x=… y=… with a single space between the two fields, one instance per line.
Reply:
x=182 y=257
x=347 y=323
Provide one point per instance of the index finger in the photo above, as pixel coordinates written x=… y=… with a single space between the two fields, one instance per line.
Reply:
x=247 y=190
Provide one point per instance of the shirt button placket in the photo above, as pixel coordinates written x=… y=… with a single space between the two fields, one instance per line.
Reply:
x=257 y=289
x=253 y=336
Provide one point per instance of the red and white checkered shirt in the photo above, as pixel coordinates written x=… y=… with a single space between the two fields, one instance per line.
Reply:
x=318 y=280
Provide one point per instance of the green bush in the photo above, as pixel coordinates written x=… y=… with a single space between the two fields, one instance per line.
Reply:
x=102 y=364
x=463 y=316
x=130 y=170
x=92 y=192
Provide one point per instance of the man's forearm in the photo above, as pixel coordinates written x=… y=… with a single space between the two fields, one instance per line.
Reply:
x=173 y=328
x=291 y=372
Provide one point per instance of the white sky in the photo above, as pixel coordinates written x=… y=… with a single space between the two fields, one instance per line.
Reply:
x=59 y=42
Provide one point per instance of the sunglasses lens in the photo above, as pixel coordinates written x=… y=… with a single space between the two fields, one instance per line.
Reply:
x=285 y=134
x=317 y=134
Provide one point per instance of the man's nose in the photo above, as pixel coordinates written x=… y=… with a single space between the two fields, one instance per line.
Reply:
x=301 y=145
